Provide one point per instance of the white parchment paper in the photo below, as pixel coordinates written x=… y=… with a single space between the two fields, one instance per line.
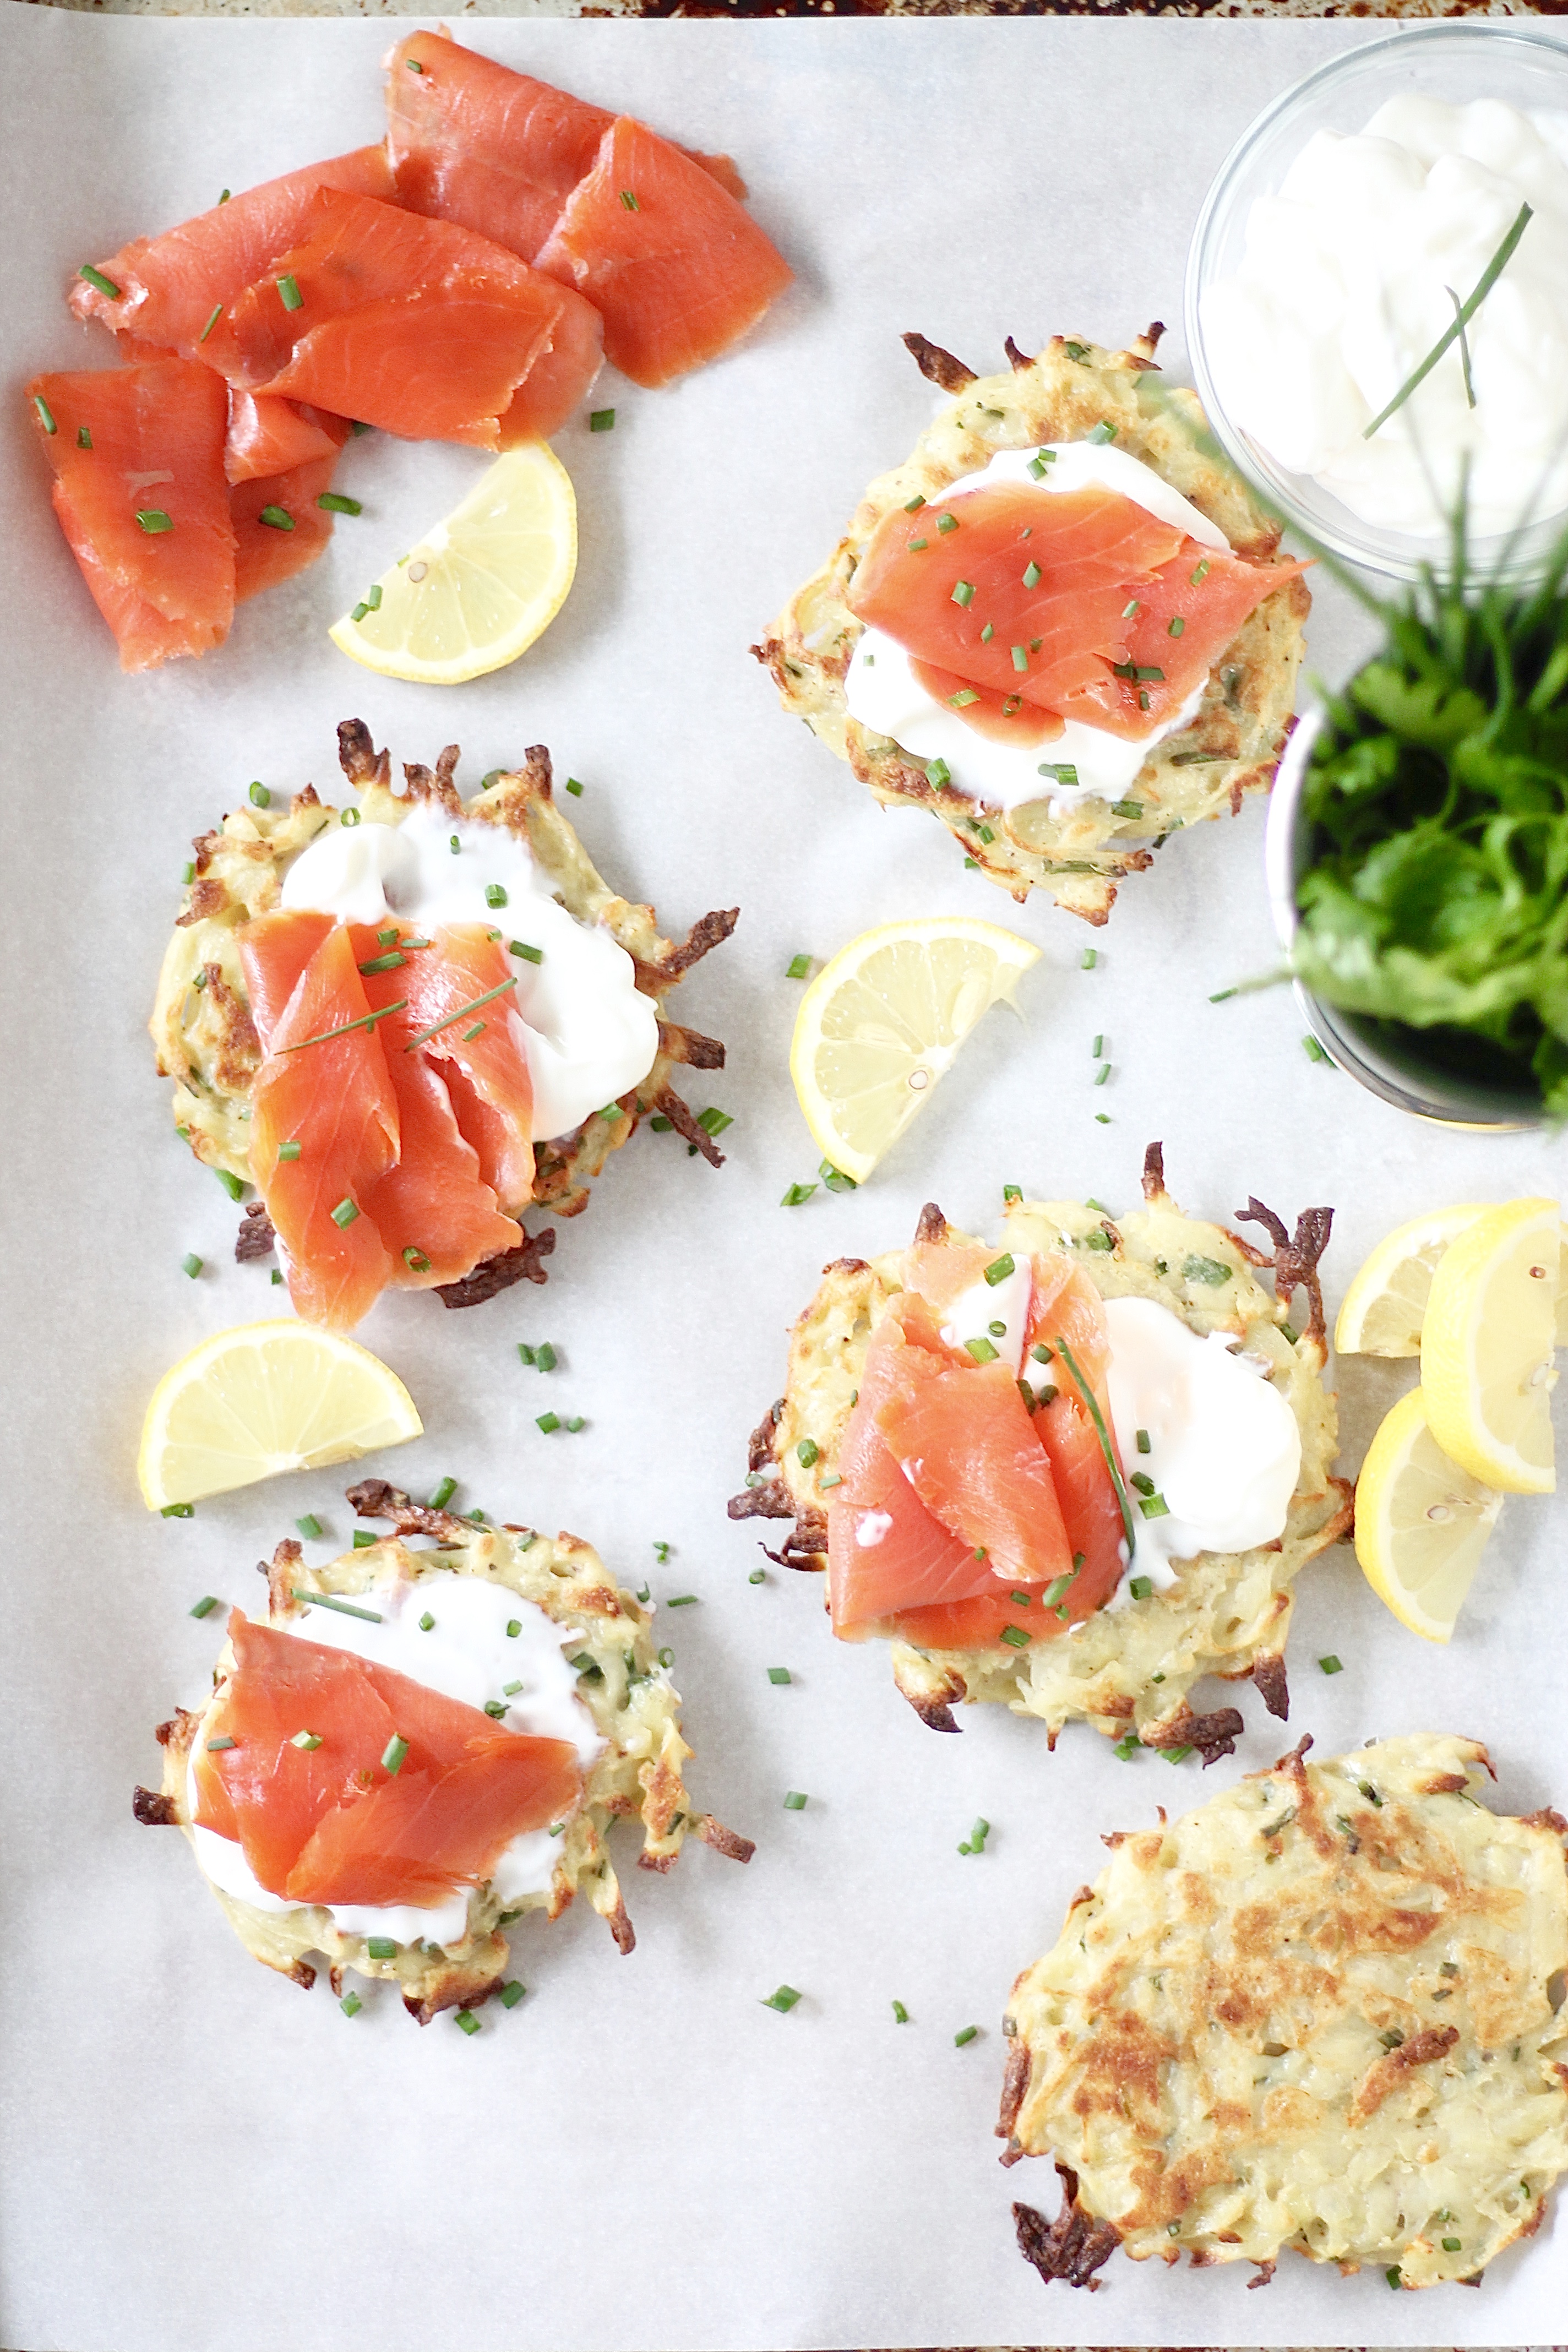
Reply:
x=640 y=2157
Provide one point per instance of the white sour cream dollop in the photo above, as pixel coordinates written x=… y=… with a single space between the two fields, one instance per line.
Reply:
x=468 y=1655
x=1344 y=288
x=588 y=1032
x=884 y=695
x=1225 y=1449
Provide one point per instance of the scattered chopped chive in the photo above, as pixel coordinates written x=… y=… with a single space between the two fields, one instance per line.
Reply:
x=1097 y=1048
x=962 y=593
x=1145 y=1443
x=806 y=1452
x=1312 y=1050
x=305 y=1740
x=629 y=200
x=758 y=1576
x=1023 y=1600
x=680 y=1601
x=794 y=1801
x=95 y=278
x=667 y=1659
x=232 y=1185
x=261 y=798
x=1154 y=1506
x=1016 y=1637
x=967 y=2034
x=947 y=522
x=914 y=506
x=900 y=2014
x=1330 y=1664
x=972 y=863
x=1032 y=576
x=363 y=1540
x=1223 y=995
x=1102 y=1074
x=549 y=1422
x=46 y=414
x=778 y=1673
x=1099 y=1239
x=450 y=1019
x=393 y=1754
x=835 y=1179
x=1175 y=625
x=153 y=520
x=1062 y=771
x=601 y=420
x=1020 y=657
x=345 y=1212
x=289 y=292
x=1392 y=2276
x=466 y=2021
x=1198 y=576
x=514 y=1628
x=997 y=1330
x=372 y=594
x=334 y=502
x=784 y=1999
x=380 y=1948
x=427 y=1622
x=310 y=1527
x=660 y=1125
x=495 y=1709
x=276 y=517
x=1102 y=1119
x=797 y=968
x=1011 y=1193
x=214 y=1746
x=963 y=698
x=661 y=1552
x=350 y=2004
x=477 y=1031
x=1129 y=612
x=1141 y=1480
x=999 y=1269
x=1176 y=1755
x=1157 y=676
x=1088 y=959
x=277 y=1277
x=938 y=772
x=530 y=955
x=981 y=1349
x=330 y=1600
x=713 y=1121
x=1140 y=1587
x=1128 y=1747
x=443 y=1494
x=796 y=1194
x=574 y=788
x=1057 y=1591
x=1289 y=1331
x=351 y=817
x=528 y=1355
x=495 y=895
x=388 y=962
x=1211 y=1271
x=206 y=1605
x=1101 y=433
x=1451 y=2245
x=191 y=1265
x=917 y=544
x=1127 y=808
x=187 y=874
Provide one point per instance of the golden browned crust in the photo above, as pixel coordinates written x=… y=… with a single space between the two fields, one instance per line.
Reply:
x=206 y=1041
x=1230 y=748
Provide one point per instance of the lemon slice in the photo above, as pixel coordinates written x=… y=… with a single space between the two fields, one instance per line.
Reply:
x=1486 y=1349
x=479 y=588
x=1421 y=1522
x=883 y=1021
x=263 y=1398
x=1385 y=1305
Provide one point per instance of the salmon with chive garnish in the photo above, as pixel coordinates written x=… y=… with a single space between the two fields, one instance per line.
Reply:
x=460 y=1006
x=416 y=325
x=472 y=142
x=270 y=435
x=349 y=1782
x=142 y=498
x=678 y=268
x=170 y=290
x=279 y=523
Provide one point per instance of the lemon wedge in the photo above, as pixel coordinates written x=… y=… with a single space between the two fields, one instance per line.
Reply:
x=479 y=588
x=1421 y=1522
x=883 y=1021
x=1487 y=1346
x=1385 y=1305
x=263 y=1398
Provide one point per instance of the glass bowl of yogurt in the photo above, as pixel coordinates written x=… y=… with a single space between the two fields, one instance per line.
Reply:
x=1345 y=229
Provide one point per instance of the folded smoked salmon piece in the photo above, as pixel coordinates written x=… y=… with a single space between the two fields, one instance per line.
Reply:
x=679 y=270
x=483 y=1055
x=416 y=325
x=268 y=435
x=472 y=142
x=1064 y=1306
x=166 y=288
x=146 y=442
x=333 y=1823
x=886 y=1553
x=324 y=1126
x=279 y=527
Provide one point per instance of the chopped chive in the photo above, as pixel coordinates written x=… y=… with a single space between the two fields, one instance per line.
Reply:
x=443 y=1494
x=380 y=1948
x=947 y=522
x=967 y=2034
x=796 y=1194
x=667 y=1659
x=153 y=520
x=601 y=420
x=545 y=1357
x=427 y=1622
x=289 y=292
x=680 y=1601
x=798 y=968
x=1175 y=626
x=310 y=1527
x=794 y=1801
x=835 y=1179
x=1063 y=771
x=224 y=195
x=784 y=1999
x=1223 y=995
x=1102 y=1074
x=807 y=1452
x=1128 y=1747
x=514 y=1628
x=1097 y=1048
x=1040 y=461
x=467 y=2022
x=1023 y=1600
x=393 y=1754
x=1144 y=1443
x=1312 y=1050
x=214 y=1747
x=1140 y=1587
x=276 y=517
x=1088 y=959
x=999 y=1269
x=1129 y=612
x=330 y=1600
x=981 y=1349
x=232 y=1185
x=1210 y=1271
x=574 y=788
x=450 y=1019
x=1451 y=2245
x=1141 y=1480
x=277 y=1276
x=46 y=414
x=334 y=502
x=963 y=698
x=1142 y=674
x=373 y=594
x=713 y=1121
x=758 y=1576
x=938 y=772
x=900 y=2014
x=96 y=278
x=388 y=962
x=345 y=1212
x=1016 y=1637
x=511 y=1994
x=914 y=506
x=1127 y=808
x=1011 y=1193
x=305 y=1740
x=1100 y=433
x=1020 y=657
x=525 y=1351
x=1154 y=1506
x=549 y=1422
x=351 y=817
x=364 y=1540
x=495 y=895
x=1288 y=1331
x=477 y=1031
x=1330 y=1664
x=530 y=955
x=1392 y=2276
x=1175 y=1754
x=191 y=1263
x=629 y=200
x=962 y=593
x=778 y=1673
x=1197 y=577
x=1032 y=575
x=660 y=1125
x=917 y=544
x=206 y=1605
x=495 y=1709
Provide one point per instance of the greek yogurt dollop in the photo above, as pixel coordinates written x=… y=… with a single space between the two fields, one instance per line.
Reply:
x=588 y=1032
x=883 y=694
x=468 y=1655
x=1351 y=275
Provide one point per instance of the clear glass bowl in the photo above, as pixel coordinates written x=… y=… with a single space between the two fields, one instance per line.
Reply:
x=1454 y=61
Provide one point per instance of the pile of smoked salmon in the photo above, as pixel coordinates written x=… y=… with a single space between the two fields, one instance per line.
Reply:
x=973 y=1507
x=463 y=281
x=345 y=1782
x=392 y=1116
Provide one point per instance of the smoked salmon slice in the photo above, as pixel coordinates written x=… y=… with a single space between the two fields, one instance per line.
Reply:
x=324 y=1124
x=416 y=325
x=472 y=142
x=168 y=287
x=332 y=1823
x=279 y=526
x=267 y=436
x=679 y=270
x=561 y=377
x=434 y=1211
x=484 y=1053
x=141 y=497
x=886 y=1552
x=1055 y=601
x=1065 y=1307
